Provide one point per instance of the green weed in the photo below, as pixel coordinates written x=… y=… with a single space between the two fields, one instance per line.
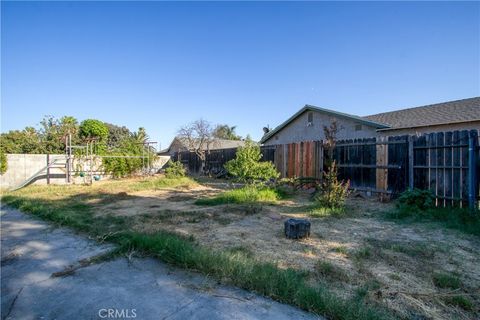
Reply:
x=446 y=280
x=463 y=302
x=235 y=267
x=245 y=195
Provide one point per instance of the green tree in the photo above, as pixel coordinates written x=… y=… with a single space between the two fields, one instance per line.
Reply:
x=141 y=135
x=92 y=128
x=116 y=135
x=224 y=131
x=53 y=132
x=22 y=141
x=247 y=166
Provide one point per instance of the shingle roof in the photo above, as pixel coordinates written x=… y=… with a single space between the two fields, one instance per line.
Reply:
x=441 y=113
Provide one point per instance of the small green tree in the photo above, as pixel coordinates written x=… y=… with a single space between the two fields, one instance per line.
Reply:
x=247 y=166
x=92 y=128
x=3 y=161
x=175 y=169
x=333 y=193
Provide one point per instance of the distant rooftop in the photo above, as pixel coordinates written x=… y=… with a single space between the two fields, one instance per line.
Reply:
x=215 y=144
x=464 y=110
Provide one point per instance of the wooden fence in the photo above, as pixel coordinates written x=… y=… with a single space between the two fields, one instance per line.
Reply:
x=445 y=162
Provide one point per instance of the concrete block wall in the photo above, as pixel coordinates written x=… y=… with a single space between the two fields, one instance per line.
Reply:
x=23 y=166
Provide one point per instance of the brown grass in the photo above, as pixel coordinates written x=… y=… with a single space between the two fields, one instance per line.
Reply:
x=360 y=254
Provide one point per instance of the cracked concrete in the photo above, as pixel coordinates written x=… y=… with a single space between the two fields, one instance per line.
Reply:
x=141 y=288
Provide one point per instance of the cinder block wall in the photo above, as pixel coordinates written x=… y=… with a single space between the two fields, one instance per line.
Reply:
x=23 y=166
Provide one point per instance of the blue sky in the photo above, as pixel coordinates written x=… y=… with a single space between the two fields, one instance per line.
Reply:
x=162 y=64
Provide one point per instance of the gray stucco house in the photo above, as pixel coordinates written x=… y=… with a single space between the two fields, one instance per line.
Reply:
x=308 y=123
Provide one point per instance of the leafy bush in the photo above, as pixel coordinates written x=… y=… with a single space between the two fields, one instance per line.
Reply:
x=247 y=166
x=419 y=206
x=175 y=169
x=121 y=167
x=417 y=199
x=3 y=161
x=333 y=193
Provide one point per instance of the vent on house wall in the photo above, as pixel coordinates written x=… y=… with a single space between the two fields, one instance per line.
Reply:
x=310 y=119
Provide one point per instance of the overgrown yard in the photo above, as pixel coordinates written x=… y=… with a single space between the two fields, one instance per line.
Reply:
x=358 y=265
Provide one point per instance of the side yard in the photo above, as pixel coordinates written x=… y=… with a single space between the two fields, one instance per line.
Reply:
x=358 y=265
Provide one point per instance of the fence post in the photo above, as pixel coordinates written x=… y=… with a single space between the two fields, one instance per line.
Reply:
x=410 y=162
x=472 y=169
x=382 y=162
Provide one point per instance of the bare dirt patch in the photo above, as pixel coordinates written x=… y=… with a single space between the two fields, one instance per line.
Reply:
x=359 y=254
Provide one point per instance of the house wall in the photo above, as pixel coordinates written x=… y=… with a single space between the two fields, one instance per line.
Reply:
x=297 y=130
x=473 y=125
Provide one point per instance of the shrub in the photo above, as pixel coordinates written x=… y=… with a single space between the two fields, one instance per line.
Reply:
x=417 y=200
x=3 y=161
x=418 y=206
x=175 y=169
x=333 y=193
x=121 y=167
x=247 y=166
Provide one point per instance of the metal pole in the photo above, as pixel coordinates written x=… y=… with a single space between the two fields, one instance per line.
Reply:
x=48 y=168
x=143 y=158
x=70 y=162
x=67 y=165
x=91 y=162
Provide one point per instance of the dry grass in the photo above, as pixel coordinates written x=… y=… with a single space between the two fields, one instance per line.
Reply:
x=359 y=254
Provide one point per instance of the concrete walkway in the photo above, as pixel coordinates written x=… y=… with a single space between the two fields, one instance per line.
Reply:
x=121 y=289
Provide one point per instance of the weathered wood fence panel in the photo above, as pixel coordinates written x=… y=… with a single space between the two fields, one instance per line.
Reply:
x=357 y=161
x=214 y=160
x=447 y=163
x=303 y=159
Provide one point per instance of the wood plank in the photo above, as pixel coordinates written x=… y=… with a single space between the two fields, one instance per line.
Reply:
x=382 y=160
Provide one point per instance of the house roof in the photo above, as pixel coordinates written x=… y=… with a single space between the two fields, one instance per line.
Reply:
x=216 y=144
x=309 y=107
x=464 y=110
